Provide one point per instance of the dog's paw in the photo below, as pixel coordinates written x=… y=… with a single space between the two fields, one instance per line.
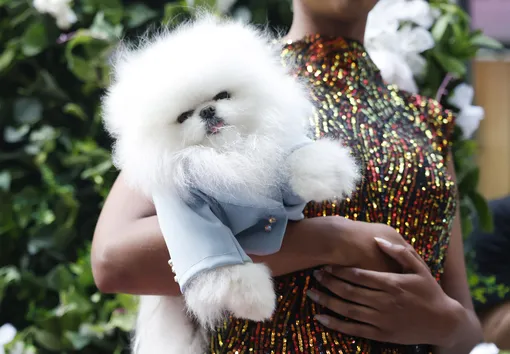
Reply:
x=251 y=294
x=245 y=291
x=323 y=170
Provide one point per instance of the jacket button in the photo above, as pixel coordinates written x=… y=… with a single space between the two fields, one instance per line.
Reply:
x=272 y=220
x=171 y=266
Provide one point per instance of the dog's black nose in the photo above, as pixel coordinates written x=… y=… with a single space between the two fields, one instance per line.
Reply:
x=208 y=112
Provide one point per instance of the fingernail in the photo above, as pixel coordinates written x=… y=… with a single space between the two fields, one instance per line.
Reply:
x=322 y=319
x=383 y=242
x=317 y=274
x=328 y=269
x=313 y=295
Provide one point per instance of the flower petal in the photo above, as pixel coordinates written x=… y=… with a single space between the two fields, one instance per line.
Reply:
x=419 y=12
x=469 y=119
x=417 y=63
x=394 y=69
x=462 y=96
x=415 y=40
x=7 y=334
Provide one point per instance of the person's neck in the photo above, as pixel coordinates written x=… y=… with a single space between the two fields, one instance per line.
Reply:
x=304 y=25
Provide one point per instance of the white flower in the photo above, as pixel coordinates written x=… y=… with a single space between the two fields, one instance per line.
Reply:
x=59 y=9
x=394 y=69
x=417 y=63
x=388 y=29
x=7 y=334
x=469 y=119
x=469 y=116
x=382 y=20
x=415 y=39
x=418 y=12
x=463 y=96
x=485 y=348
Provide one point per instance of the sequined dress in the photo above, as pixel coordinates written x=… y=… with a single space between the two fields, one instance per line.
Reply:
x=401 y=140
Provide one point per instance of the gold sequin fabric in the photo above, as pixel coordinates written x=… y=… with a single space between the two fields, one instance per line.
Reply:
x=401 y=141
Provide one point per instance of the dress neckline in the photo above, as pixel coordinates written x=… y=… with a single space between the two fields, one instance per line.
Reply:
x=315 y=51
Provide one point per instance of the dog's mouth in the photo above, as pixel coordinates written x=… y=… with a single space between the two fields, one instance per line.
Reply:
x=214 y=125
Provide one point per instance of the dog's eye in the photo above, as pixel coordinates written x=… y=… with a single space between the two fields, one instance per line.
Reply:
x=223 y=95
x=182 y=118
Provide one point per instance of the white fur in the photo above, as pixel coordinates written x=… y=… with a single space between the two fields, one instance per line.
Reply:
x=163 y=327
x=246 y=291
x=322 y=171
x=182 y=70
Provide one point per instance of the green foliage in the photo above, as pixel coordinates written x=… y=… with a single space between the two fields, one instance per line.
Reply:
x=55 y=171
x=55 y=167
x=456 y=45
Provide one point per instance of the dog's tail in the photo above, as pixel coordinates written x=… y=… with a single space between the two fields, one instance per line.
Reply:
x=163 y=327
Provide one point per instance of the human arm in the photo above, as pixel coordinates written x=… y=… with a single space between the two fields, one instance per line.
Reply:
x=129 y=254
x=406 y=308
x=455 y=285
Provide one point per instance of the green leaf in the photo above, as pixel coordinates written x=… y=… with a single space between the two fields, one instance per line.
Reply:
x=483 y=41
x=483 y=211
x=138 y=14
x=174 y=13
x=75 y=110
x=49 y=86
x=27 y=110
x=47 y=339
x=78 y=340
x=207 y=4
x=59 y=278
x=100 y=169
x=86 y=56
x=102 y=29
x=5 y=181
x=13 y=135
x=469 y=182
x=34 y=40
x=8 y=276
x=451 y=64
x=6 y=58
x=440 y=27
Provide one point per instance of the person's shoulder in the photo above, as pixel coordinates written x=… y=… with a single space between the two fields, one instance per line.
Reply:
x=440 y=122
x=430 y=108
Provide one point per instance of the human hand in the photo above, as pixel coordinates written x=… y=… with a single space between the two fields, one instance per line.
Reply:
x=409 y=308
x=352 y=244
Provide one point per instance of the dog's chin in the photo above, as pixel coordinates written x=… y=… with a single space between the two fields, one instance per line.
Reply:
x=222 y=138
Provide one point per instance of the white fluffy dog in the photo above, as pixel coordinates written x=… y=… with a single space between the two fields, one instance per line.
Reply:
x=208 y=122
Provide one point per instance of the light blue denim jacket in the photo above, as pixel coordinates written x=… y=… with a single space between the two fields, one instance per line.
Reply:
x=205 y=233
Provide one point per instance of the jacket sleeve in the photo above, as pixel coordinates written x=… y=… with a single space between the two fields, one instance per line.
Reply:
x=196 y=239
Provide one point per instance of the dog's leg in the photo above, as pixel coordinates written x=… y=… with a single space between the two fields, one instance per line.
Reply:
x=163 y=327
x=322 y=170
x=245 y=291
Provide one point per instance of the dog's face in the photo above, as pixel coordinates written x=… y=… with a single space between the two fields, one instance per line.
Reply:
x=204 y=85
x=214 y=116
x=210 y=84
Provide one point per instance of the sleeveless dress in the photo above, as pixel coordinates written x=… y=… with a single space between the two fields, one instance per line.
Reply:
x=402 y=142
